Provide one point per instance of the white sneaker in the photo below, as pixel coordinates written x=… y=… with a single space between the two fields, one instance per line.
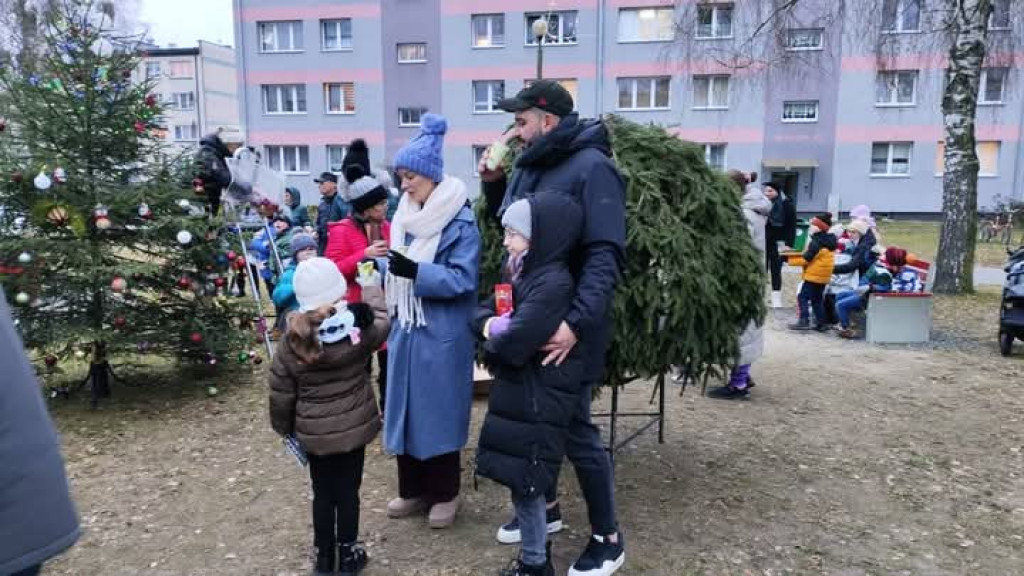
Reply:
x=510 y=534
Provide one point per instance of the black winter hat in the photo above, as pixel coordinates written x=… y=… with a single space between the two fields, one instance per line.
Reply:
x=356 y=163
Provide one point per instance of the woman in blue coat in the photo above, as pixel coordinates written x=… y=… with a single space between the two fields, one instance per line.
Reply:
x=431 y=291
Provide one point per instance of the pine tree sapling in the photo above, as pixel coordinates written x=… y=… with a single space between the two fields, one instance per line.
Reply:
x=91 y=221
x=693 y=280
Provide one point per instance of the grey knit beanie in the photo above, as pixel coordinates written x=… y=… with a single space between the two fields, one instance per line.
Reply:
x=517 y=217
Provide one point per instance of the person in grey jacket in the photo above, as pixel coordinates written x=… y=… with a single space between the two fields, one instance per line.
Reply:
x=37 y=518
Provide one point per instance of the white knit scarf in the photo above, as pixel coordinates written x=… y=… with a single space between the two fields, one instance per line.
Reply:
x=424 y=222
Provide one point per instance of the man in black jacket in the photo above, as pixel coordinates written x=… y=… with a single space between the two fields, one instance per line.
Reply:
x=571 y=156
x=212 y=169
x=37 y=517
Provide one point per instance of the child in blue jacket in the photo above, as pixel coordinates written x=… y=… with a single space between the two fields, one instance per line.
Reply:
x=303 y=247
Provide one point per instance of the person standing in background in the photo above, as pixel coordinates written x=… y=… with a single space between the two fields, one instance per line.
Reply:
x=333 y=208
x=781 y=227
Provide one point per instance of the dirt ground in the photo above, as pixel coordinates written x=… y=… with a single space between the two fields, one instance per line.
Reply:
x=850 y=459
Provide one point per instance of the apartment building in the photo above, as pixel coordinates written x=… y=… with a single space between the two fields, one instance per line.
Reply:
x=842 y=107
x=197 y=88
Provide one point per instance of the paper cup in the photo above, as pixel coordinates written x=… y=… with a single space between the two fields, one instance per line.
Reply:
x=497 y=154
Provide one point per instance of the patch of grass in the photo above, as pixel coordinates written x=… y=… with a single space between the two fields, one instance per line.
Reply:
x=922 y=239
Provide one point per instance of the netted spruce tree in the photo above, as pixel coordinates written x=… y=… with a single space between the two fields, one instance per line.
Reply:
x=693 y=280
x=101 y=250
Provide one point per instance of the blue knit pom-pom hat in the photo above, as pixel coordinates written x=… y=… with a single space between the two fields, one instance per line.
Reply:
x=424 y=153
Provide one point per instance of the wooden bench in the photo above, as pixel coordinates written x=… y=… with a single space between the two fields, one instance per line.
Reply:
x=901 y=317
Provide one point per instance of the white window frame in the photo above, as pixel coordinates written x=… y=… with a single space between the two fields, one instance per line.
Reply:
x=280 y=90
x=339 y=149
x=712 y=78
x=1009 y=15
x=636 y=81
x=477 y=153
x=416 y=60
x=282 y=151
x=190 y=64
x=153 y=69
x=558 y=40
x=889 y=173
x=328 y=86
x=184 y=100
x=716 y=10
x=983 y=87
x=901 y=11
x=725 y=151
x=490 y=105
x=799 y=120
x=193 y=133
x=894 y=88
x=292 y=26
x=658 y=13
x=789 y=39
x=338 y=25
x=490 y=19
x=406 y=123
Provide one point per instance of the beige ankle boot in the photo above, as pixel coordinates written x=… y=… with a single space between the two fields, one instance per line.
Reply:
x=442 y=514
x=405 y=507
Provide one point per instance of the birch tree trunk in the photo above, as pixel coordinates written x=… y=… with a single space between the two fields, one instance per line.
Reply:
x=954 y=266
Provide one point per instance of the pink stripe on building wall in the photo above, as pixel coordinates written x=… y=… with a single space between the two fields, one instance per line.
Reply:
x=662 y=67
x=641 y=3
x=315 y=12
x=471 y=137
x=451 y=7
x=923 y=61
x=737 y=135
x=520 y=72
x=314 y=137
x=363 y=75
x=916 y=133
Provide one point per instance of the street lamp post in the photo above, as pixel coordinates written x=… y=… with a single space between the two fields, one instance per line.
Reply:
x=540 y=31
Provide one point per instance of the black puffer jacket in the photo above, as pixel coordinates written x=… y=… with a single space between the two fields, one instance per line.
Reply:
x=211 y=167
x=522 y=441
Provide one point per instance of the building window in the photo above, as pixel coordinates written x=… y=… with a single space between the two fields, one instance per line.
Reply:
x=561 y=27
x=993 y=82
x=710 y=92
x=280 y=36
x=486 y=94
x=1000 y=17
x=412 y=53
x=891 y=158
x=409 y=117
x=189 y=132
x=184 y=100
x=644 y=93
x=336 y=35
x=335 y=154
x=478 y=154
x=800 y=111
x=288 y=159
x=647 y=24
x=901 y=16
x=804 y=39
x=152 y=70
x=714 y=155
x=488 y=30
x=896 y=88
x=571 y=85
x=182 y=69
x=714 y=21
x=340 y=98
x=988 y=158
x=284 y=98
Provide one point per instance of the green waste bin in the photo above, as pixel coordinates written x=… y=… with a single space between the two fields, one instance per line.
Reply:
x=800 y=240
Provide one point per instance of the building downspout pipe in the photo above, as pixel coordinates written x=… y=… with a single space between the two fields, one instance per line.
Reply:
x=599 y=101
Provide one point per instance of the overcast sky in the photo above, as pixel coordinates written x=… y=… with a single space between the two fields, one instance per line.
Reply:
x=186 y=22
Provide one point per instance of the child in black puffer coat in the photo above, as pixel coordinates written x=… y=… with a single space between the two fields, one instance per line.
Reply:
x=522 y=441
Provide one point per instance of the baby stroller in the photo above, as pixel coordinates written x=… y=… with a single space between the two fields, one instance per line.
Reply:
x=1011 y=311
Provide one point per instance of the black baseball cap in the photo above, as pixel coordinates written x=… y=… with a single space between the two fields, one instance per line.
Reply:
x=546 y=95
x=326 y=177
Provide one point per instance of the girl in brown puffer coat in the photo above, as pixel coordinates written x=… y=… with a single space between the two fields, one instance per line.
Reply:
x=320 y=392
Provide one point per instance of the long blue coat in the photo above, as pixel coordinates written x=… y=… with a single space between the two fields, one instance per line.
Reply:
x=430 y=368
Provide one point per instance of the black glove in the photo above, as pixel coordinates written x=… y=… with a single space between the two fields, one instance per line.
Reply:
x=363 y=314
x=401 y=266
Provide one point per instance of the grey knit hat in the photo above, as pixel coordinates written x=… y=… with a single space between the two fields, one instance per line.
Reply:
x=302 y=242
x=365 y=193
x=517 y=217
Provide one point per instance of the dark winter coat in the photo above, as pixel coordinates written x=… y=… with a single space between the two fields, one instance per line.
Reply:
x=333 y=209
x=575 y=159
x=862 y=258
x=329 y=405
x=297 y=213
x=37 y=517
x=781 y=225
x=211 y=167
x=522 y=441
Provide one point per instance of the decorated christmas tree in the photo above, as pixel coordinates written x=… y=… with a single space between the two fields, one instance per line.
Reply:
x=103 y=251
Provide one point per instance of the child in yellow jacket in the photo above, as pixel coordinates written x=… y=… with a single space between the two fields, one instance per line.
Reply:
x=818 y=260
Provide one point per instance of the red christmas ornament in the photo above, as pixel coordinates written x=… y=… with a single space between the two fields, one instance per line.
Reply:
x=231 y=255
x=119 y=322
x=51 y=361
x=140 y=126
x=219 y=282
x=197 y=185
x=119 y=284
x=151 y=100
x=3 y=125
x=239 y=263
x=184 y=282
x=196 y=337
x=17 y=177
